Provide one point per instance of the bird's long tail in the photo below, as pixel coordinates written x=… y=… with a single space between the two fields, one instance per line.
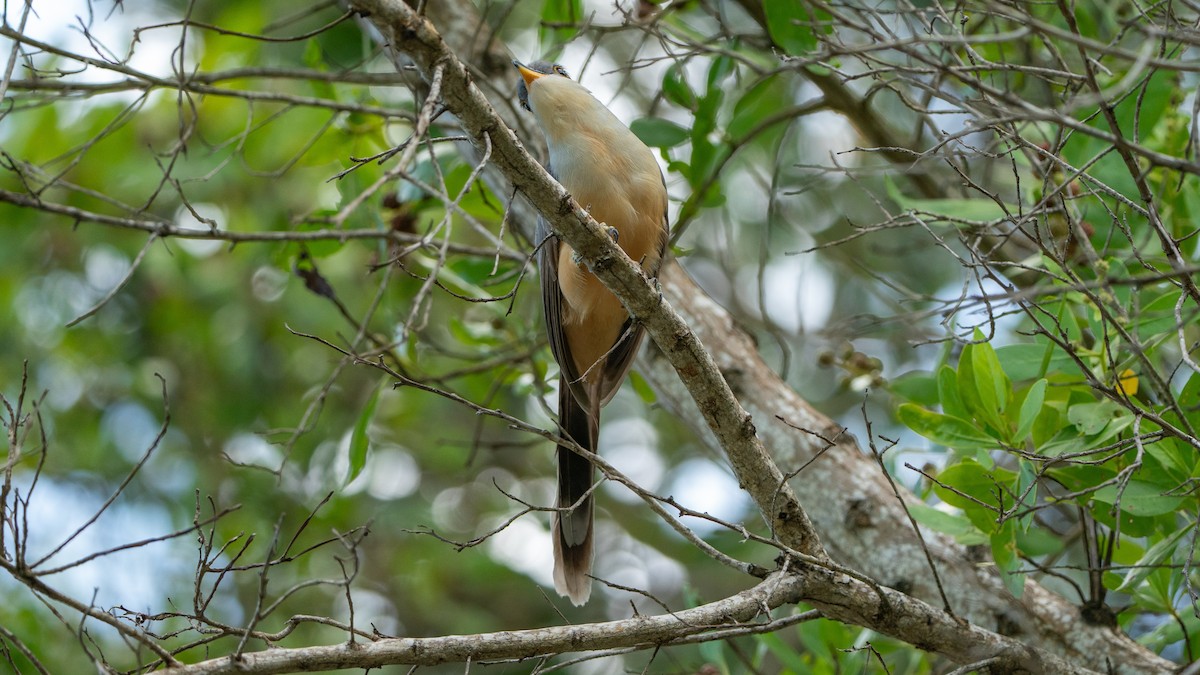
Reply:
x=573 y=529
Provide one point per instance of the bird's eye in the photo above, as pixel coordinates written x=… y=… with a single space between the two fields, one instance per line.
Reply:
x=561 y=71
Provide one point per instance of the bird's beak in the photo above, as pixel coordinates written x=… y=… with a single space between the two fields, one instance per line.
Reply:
x=528 y=75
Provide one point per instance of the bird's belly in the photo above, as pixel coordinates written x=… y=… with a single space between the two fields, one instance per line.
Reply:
x=636 y=214
x=592 y=316
x=635 y=206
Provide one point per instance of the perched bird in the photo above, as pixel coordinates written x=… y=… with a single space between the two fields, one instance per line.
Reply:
x=613 y=175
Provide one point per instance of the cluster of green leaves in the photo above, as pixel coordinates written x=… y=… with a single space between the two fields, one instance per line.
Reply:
x=1097 y=408
x=722 y=117
x=706 y=156
x=1029 y=431
x=1042 y=419
x=1086 y=405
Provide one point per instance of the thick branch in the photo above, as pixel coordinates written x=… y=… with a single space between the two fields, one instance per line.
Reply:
x=840 y=596
x=417 y=38
x=861 y=522
x=773 y=592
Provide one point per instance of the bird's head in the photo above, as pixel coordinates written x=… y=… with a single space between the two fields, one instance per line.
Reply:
x=564 y=109
x=533 y=73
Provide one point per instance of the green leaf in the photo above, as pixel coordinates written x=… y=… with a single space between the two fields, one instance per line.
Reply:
x=1064 y=311
x=918 y=386
x=990 y=381
x=1030 y=407
x=1160 y=92
x=676 y=87
x=968 y=391
x=1170 y=632
x=1176 y=458
x=1158 y=315
x=642 y=388
x=1131 y=525
x=973 y=488
x=760 y=102
x=706 y=158
x=1188 y=207
x=785 y=24
x=1076 y=478
x=1004 y=552
x=659 y=133
x=1092 y=418
x=953 y=524
x=969 y=477
x=1048 y=425
x=1189 y=396
x=1039 y=541
x=788 y=656
x=359 y=441
x=947 y=383
x=1025 y=489
x=1140 y=498
x=478 y=271
x=1147 y=563
x=713 y=197
x=818 y=638
x=314 y=57
x=1158 y=593
x=1027 y=361
x=714 y=653
x=705 y=121
x=683 y=169
x=951 y=432
x=721 y=68
x=1093 y=422
x=961 y=212
x=556 y=15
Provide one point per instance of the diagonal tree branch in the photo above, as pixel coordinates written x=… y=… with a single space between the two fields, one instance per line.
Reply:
x=416 y=37
x=645 y=631
x=840 y=596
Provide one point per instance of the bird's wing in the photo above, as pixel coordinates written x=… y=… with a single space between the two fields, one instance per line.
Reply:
x=552 y=305
x=620 y=359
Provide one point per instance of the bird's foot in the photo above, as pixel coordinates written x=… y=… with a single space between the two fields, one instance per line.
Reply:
x=613 y=233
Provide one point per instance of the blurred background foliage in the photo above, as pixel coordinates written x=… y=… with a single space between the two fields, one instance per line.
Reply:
x=853 y=269
x=261 y=417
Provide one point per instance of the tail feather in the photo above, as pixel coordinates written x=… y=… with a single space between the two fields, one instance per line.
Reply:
x=573 y=530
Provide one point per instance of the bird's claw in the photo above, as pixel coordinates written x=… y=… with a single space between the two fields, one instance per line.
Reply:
x=613 y=233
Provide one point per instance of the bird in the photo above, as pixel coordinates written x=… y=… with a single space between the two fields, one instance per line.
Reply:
x=610 y=172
